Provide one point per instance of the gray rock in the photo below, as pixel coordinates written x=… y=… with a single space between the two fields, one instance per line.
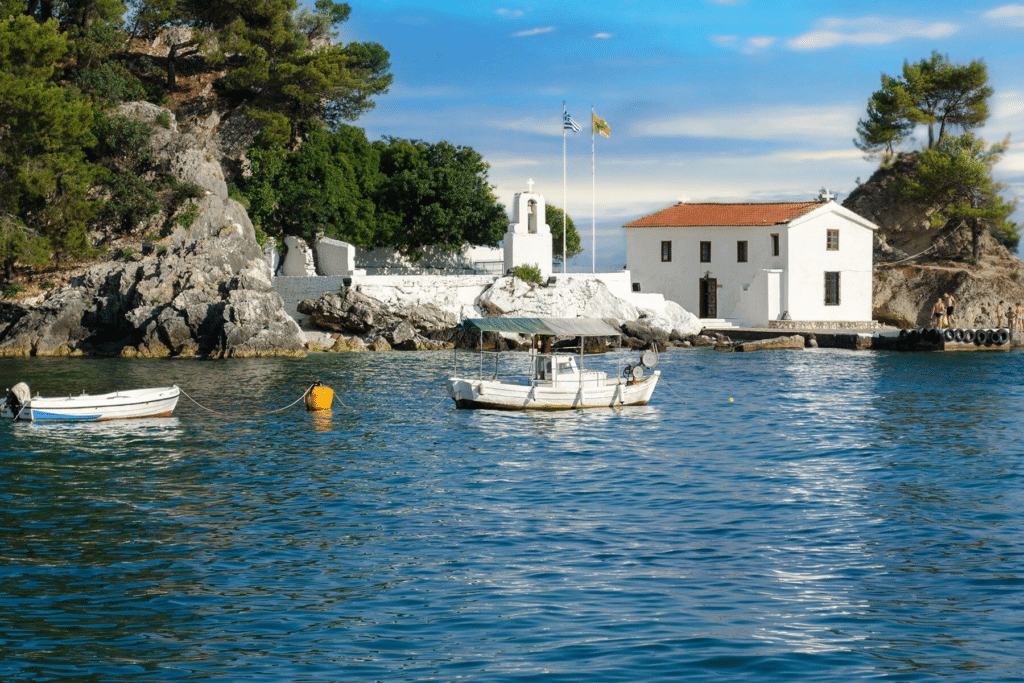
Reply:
x=205 y=290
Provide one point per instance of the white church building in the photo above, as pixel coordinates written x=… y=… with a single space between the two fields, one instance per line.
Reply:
x=755 y=264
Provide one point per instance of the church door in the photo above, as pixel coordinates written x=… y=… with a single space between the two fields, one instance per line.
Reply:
x=708 y=297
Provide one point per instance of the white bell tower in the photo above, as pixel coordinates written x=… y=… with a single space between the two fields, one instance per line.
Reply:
x=528 y=240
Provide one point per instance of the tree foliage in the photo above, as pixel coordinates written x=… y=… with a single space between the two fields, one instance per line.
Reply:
x=278 y=61
x=324 y=187
x=435 y=194
x=956 y=177
x=573 y=246
x=934 y=93
x=44 y=176
x=64 y=63
x=401 y=194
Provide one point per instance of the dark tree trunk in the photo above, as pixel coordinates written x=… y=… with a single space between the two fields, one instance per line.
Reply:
x=172 y=73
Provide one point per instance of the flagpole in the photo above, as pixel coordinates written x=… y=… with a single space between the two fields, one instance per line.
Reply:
x=565 y=209
x=593 y=193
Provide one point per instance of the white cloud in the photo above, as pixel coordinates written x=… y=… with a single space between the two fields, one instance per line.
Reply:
x=602 y=35
x=784 y=123
x=1007 y=113
x=757 y=44
x=551 y=126
x=868 y=31
x=725 y=41
x=1012 y=15
x=1012 y=161
x=534 y=32
x=510 y=12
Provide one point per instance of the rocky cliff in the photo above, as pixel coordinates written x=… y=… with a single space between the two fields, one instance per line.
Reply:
x=203 y=290
x=916 y=263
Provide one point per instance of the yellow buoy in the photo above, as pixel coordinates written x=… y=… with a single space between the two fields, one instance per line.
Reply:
x=319 y=397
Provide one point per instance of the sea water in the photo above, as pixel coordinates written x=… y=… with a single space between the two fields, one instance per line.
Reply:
x=818 y=515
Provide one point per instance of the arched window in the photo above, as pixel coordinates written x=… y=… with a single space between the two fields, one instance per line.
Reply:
x=531 y=217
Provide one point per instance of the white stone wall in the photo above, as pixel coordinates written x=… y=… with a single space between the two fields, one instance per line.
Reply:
x=435 y=262
x=294 y=289
x=601 y=295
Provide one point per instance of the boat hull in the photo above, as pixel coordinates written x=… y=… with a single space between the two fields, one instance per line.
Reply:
x=476 y=394
x=118 y=405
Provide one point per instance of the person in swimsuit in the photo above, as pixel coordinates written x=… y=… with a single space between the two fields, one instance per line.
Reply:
x=938 y=312
x=950 y=305
x=999 y=314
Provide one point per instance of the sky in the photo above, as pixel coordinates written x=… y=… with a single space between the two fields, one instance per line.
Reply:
x=707 y=100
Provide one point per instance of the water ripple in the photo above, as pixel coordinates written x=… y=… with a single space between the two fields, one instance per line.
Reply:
x=847 y=515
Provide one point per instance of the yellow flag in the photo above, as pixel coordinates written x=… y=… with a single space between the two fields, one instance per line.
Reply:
x=601 y=127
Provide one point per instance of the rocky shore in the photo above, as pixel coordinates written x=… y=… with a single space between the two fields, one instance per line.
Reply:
x=206 y=290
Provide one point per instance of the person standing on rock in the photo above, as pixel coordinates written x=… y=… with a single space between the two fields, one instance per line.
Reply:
x=999 y=314
x=1020 y=316
x=938 y=312
x=1011 y=319
x=950 y=305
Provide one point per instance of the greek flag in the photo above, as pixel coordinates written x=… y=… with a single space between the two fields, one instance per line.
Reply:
x=569 y=124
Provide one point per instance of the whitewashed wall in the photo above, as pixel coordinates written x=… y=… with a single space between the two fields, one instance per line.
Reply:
x=809 y=259
x=742 y=286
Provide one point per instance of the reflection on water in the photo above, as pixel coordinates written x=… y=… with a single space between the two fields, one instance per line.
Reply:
x=846 y=516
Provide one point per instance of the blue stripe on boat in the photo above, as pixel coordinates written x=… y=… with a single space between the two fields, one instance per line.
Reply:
x=43 y=415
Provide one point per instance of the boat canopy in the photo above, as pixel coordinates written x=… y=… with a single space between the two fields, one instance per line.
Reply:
x=559 y=327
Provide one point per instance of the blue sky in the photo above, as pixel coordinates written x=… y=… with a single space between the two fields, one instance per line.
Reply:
x=707 y=100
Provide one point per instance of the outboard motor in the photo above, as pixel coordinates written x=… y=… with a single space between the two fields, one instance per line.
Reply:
x=17 y=396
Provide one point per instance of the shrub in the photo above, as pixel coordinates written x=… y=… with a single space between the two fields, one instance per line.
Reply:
x=12 y=290
x=527 y=273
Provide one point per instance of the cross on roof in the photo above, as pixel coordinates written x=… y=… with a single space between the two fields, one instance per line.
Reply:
x=529 y=184
x=826 y=195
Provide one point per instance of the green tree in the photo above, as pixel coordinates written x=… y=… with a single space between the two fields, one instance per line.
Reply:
x=884 y=128
x=323 y=187
x=955 y=177
x=122 y=150
x=435 y=195
x=273 y=62
x=932 y=92
x=44 y=176
x=573 y=247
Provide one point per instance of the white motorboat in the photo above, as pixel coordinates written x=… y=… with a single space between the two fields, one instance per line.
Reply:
x=117 y=405
x=554 y=381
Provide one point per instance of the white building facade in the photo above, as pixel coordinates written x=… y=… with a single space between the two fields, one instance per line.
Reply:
x=756 y=264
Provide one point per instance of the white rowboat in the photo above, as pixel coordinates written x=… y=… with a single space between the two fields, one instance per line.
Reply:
x=117 y=405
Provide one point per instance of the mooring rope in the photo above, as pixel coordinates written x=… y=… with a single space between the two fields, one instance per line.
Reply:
x=268 y=412
x=665 y=384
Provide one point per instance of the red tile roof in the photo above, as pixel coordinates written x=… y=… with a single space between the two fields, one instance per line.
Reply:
x=685 y=215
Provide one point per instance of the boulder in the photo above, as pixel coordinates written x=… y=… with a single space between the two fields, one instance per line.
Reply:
x=349 y=344
x=794 y=341
x=642 y=330
x=568 y=298
x=379 y=344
